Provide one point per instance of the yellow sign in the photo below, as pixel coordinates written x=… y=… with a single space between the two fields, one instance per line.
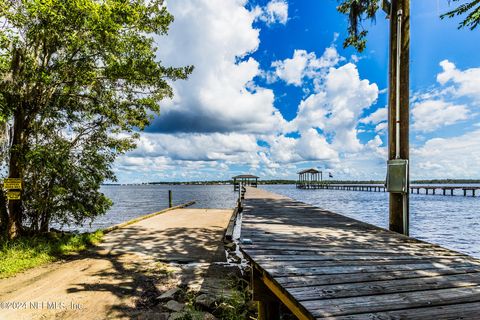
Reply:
x=13 y=195
x=12 y=183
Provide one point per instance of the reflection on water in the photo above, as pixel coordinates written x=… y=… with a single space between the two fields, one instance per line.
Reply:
x=452 y=222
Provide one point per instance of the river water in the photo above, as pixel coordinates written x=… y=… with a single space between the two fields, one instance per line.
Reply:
x=453 y=222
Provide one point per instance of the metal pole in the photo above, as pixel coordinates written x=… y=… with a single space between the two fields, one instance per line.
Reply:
x=170 y=202
x=397 y=88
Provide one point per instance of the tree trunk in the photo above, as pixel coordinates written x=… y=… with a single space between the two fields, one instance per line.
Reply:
x=399 y=202
x=15 y=171
x=3 y=215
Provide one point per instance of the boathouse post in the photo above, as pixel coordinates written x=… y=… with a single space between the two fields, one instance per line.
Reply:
x=309 y=179
x=245 y=180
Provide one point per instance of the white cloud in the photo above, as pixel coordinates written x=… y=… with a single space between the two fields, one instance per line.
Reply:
x=276 y=11
x=337 y=108
x=219 y=96
x=430 y=115
x=381 y=127
x=448 y=157
x=202 y=147
x=213 y=123
x=313 y=147
x=305 y=65
x=379 y=115
x=310 y=146
x=466 y=82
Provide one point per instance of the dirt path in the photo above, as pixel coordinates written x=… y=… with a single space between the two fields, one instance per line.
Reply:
x=120 y=277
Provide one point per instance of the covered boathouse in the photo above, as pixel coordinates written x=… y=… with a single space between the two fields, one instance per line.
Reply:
x=245 y=180
x=310 y=179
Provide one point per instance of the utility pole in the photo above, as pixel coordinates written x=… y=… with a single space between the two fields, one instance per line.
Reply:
x=398 y=113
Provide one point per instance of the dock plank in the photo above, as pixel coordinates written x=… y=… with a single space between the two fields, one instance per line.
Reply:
x=447 y=312
x=330 y=266
x=385 y=286
x=394 y=301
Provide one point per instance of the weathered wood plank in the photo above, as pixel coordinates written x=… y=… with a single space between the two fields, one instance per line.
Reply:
x=360 y=262
x=304 y=281
x=395 y=301
x=335 y=248
x=297 y=250
x=283 y=258
x=385 y=286
x=290 y=271
x=446 y=312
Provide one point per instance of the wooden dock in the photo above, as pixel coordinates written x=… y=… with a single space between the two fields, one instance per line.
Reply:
x=450 y=189
x=427 y=189
x=319 y=265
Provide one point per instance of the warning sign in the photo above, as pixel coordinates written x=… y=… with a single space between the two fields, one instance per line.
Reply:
x=12 y=184
x=13 y=195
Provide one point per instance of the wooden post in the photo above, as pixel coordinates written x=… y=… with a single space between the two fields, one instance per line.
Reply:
x=268 y=303
x=399 y=202
x=170 y=204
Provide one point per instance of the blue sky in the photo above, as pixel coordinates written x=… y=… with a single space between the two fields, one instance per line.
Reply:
x=273 y=91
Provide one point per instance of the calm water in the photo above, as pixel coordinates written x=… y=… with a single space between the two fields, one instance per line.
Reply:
x=453 y=222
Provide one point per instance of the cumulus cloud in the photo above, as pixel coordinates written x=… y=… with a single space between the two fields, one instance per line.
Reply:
x=313 y=147
x=196 y=147
x=215 y=36
x=310 y=146
x=379 y=115
x=212 y=126
x=466 y=82
x=430 y=115
x=337 y=107
x=448 y=157
x=305 y=65
x=276 y=11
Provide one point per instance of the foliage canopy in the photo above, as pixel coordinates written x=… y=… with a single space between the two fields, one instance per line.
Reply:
x=471 y=9
x=78 y=80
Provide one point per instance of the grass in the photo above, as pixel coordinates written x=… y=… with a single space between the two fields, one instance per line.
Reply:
x=28 y=252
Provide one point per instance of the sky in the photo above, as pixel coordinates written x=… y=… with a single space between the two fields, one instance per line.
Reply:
x=274 y=92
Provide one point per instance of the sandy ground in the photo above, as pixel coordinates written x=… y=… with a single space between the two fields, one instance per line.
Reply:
x=118 y=279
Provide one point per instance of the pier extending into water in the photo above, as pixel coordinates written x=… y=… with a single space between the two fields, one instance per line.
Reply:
x=417 y=189
x=322 y=265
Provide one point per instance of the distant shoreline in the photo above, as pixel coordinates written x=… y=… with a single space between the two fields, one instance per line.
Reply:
x=276 y=182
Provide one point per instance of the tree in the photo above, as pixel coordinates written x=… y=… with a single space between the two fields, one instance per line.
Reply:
x=78 y=79
x=357 y=12
x=473 y=14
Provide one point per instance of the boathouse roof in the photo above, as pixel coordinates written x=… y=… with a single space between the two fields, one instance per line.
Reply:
x=311 y=170
x=245 y=176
